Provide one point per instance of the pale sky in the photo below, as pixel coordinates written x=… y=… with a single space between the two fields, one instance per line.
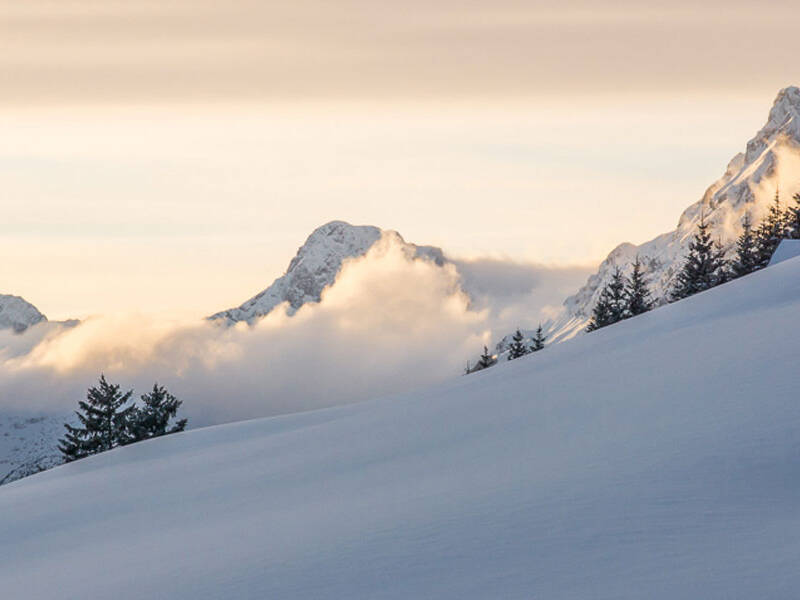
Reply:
x=171 y=156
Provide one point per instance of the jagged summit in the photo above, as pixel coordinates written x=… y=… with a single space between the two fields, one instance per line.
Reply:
x=316 y=265
x=769 y=163
x=18 y=314
x=747 y=186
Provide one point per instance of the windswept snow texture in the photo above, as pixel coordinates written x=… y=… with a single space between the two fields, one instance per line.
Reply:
x=657 y=458
x=316 y=265
x=770 y=162
x=18 y=314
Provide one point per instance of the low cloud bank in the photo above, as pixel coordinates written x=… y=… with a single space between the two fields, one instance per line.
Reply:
x=389 y=324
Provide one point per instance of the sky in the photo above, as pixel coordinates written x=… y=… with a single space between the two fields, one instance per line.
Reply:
x=170 y=157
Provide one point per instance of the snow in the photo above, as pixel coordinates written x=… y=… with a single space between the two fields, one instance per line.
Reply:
x=656 y=458
x=786 y=249
x=316 y=265
x=770 y=162
x=18 y=314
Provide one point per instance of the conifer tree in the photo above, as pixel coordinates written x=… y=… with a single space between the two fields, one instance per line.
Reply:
x=793 y=219
x=746 y=251
x=485 y=361
x=517 y=347
x=538 y=339
x=638 y=294
x=105 y=422
x=159 y=407
x=771 y=231
x=703 y=268
x=601 y=313
x=617 y=295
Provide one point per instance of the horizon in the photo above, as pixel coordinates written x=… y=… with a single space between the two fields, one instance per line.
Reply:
x=197 y=152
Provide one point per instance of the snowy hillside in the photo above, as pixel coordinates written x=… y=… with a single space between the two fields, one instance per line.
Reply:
x=18 y=314
x=771 y=161
x=656 y=458
x=28 y=444
x=316 y=265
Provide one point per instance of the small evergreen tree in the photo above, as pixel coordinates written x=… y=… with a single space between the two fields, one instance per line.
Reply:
x=601 y=313
x=538 y=339
x=793 y=219
x=159 y=407
x=703 y=268
x=517 y=347
x=771 y=231
x=485 y=361
x=105 y=422
x=611 y=304
x=746 y=251
x=617 y=295
x=638 y=294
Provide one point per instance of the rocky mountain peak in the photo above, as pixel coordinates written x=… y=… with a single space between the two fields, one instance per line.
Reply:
x=18 y=314
x=316 y=265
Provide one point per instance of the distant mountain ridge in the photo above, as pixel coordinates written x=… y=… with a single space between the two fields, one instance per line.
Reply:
x=748 y=185
x=316 y=266
x=18 y=314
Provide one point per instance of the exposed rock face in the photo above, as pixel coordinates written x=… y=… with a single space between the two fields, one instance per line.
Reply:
x=316 y=265
x=18 y=314
x=771 y=161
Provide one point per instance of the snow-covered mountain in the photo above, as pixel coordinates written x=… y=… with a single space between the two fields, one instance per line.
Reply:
x=18 y=314
x=316 y=265
x=770 y=162
x=547 y=477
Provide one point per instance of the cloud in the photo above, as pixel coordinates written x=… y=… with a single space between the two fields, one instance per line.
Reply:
x=518 y=294
x=121 y=52
x=388 y=324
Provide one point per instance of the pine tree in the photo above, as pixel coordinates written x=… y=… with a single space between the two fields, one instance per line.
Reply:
x=703 y=268
x=106 y=422
x=485 y=361
x=538 y=340
x=517 y=347
x=771 y=231
x=159 y=407
x=638 y=294
x=793 y=219
x=746 y=251
x=617 y=295
x=601 y=313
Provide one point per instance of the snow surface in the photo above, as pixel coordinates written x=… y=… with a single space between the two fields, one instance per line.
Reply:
x=316 y=265
x=786 y=249
x=771 y=162
x=656 y=458
x=18 y=314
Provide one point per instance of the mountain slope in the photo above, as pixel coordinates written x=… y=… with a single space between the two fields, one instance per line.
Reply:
x=316 y=265
x=18 y=314
x=656 y=458
x=771 y=161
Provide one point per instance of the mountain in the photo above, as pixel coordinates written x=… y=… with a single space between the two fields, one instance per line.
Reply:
x=18 y=314
x=656 y=458
x=316 y=265
x=770 y=162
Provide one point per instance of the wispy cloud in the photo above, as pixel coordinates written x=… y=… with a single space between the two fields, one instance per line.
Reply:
x=388 y=324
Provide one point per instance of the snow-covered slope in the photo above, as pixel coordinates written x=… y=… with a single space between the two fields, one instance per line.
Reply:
x=18 y=314
x=28 y=444
x=316 y=265
x=656 y=458
x=770 y=161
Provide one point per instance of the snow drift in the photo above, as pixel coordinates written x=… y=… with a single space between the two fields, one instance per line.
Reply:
x=656 y=458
